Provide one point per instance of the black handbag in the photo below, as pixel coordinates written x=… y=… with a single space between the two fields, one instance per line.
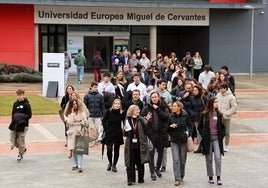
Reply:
x=81 y=145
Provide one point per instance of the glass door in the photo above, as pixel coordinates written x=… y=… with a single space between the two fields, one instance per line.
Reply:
x=102 y=44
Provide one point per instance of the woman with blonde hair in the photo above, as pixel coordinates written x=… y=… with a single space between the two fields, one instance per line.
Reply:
x=197 y=65
x=112 y=124
x=179 y=129
x=136 y=146
x=120 y=84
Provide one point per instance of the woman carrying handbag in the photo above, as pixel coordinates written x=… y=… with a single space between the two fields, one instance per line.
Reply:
x=75 y=119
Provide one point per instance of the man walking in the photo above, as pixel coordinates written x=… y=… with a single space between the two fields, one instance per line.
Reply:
x=228 y=106
x=80 y=61
x=21 y=113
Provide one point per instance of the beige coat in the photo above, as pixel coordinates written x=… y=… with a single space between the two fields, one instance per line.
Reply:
x=227 y=104
x=74 y=125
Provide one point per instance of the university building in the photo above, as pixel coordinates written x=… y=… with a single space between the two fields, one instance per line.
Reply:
x=224 y=32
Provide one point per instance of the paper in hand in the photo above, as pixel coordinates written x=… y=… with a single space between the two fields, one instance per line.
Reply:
x=128 y=127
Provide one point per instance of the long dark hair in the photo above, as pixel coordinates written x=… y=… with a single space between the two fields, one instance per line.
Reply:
x=209 y=107
x=70 y=106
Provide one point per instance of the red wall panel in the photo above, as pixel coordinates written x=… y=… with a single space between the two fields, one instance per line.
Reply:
x=17 y=34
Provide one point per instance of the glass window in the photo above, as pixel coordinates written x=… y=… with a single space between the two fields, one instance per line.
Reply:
x=61 y=29
x=51 y=44
x=44 y=43
x=43 y=28
x=52 y=29
x=102 y=28
x=61 y=43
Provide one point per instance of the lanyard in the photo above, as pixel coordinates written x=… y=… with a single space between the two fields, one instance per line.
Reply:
x=134 y=127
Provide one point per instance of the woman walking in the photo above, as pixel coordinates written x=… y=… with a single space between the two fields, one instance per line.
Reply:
x=136 y=146
x=65 y=99
x=179 y=130
x=74 y=116
x=213 y=131
x=112 y=122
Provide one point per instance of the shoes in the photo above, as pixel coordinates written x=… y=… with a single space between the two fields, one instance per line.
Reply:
x=182 y=178
x=219 y=182
x=177 y=183
x=211 y=181
x=12 y=146
x=75 y=167
x=80 y=170
x=80 y=82
x=158 y=173
x=109 y=167
x=130 y=183
x=114 y=169
x=153 y=176
x=163 y=169
x=20 y=158
x=140 y=181
x=225 y=148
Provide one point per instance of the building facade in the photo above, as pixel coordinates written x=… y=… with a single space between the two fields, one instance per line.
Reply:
x=224 y=32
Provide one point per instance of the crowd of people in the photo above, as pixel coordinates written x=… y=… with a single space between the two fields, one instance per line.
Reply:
x=154 y=105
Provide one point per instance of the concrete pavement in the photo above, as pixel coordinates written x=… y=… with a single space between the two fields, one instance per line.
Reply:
x=46 y=164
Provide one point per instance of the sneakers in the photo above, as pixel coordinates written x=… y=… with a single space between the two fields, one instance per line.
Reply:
x=20 y=158
x=114 y=169
x=219 y=182
x=163 y=169
x=80 y=170
x=211 y=181
x=225 y=148
x=177 y=183
x=158 y=173
x=153 y=176
x=75 y=168
x=109 y=167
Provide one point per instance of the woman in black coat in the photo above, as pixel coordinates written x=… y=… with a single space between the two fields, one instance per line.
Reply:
x=158 y=132
x=65 y=99
x=212 y=130
x=112 y=124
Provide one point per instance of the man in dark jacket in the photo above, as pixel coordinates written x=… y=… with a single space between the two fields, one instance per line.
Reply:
x=97 y=64
x=21 y=113
x=95 y=105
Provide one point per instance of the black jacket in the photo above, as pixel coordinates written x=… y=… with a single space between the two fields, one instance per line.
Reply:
x=95 y=104
x=112 y=124
x=203 y=129
x=178 y=134
x=158 y=133
x=21 y=113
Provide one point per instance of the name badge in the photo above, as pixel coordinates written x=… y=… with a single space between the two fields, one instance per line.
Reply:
x=134 y=140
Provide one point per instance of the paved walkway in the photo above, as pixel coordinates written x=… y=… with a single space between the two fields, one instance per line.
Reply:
x=46 y=163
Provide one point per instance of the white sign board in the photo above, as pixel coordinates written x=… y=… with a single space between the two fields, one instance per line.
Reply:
x=53 y=70
x=120 y=15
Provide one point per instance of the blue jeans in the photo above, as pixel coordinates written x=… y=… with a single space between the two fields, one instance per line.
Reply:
x=179 y=156
x=80 y=73
x=189 y=74
x=214 y=143
x=78 y=159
